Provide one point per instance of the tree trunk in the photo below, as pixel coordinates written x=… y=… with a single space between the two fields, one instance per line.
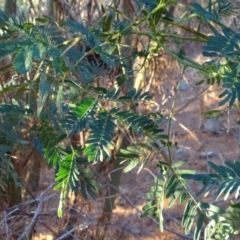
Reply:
x=10 y=7
x=27 y=165
x=49 y=9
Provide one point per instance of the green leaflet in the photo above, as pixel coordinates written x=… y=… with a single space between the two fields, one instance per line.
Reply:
x=100 y=139
x=44 y=91
x=198 y=229
x=85 y=107
x=23 y=60
x=59 y=101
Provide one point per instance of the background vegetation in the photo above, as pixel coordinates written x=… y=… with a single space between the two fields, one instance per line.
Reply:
x=80 y=95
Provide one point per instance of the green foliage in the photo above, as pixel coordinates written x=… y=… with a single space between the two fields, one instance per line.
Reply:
x=65 y=88
x=226 y=46
x=100 y=139
x=223 y=47
x=223 y=182
x=222 y=224
x=10 y=140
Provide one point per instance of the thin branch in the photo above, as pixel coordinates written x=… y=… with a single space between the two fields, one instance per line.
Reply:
x=82 y=227
x=28 y=229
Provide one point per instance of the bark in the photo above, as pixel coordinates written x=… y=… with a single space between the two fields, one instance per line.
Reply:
x=27 y=165
x=10 y=7
x=49 y=9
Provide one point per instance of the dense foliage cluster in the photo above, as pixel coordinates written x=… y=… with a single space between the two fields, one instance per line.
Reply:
x=60 y=86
